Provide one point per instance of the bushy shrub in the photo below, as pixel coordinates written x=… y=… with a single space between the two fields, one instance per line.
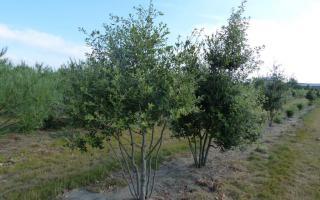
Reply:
x=311 y=95
x=277 y=119
x=275 y=91
x=300 y=106
x=290 y=113
x=229 y=114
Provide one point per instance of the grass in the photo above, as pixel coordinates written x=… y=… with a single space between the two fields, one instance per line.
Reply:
x=290 y=108
x=292 y=103
x=291 y=171
x=41 y=168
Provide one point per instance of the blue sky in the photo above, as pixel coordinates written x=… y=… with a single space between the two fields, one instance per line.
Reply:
x=47 y=31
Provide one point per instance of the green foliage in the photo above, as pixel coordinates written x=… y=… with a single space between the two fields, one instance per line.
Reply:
x=229 y=112
x=130 y=84
x=241 y=120
x=300 y=106
x=298 y=93
x=27 y=95
x=274 y=90
x=311 y=95
x=290 y=113
x=278 y=118
x=129 y=78
x=228 y=50
x=293 y=83
x=74 y=80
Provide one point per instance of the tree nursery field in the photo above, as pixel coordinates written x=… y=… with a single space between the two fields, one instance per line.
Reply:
x=142 y=117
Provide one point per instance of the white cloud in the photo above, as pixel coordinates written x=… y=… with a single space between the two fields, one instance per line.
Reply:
x=43 y=45
x=294 y=43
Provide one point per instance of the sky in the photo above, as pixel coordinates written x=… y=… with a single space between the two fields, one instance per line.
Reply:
x=47 y=31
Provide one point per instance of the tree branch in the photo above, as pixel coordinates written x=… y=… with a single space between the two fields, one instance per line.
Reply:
x=159 y=140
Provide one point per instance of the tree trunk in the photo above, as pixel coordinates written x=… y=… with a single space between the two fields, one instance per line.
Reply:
x=271 y=118
x=200 y=149
x=140 y=178
x=207 y=150
x=143 y=169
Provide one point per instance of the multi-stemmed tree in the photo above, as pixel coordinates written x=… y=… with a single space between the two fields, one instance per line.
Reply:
x=274 y=90
x=130 y=89
x=228 y=110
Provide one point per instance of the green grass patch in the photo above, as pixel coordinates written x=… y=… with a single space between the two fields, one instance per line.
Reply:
x=52 y=188
x=291 y=171
x=43 y=168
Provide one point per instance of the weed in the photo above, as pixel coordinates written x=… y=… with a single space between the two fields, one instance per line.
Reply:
x=300 y=106
x=290 y=113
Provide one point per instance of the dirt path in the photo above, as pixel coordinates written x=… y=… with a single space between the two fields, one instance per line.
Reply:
x=178 y=179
